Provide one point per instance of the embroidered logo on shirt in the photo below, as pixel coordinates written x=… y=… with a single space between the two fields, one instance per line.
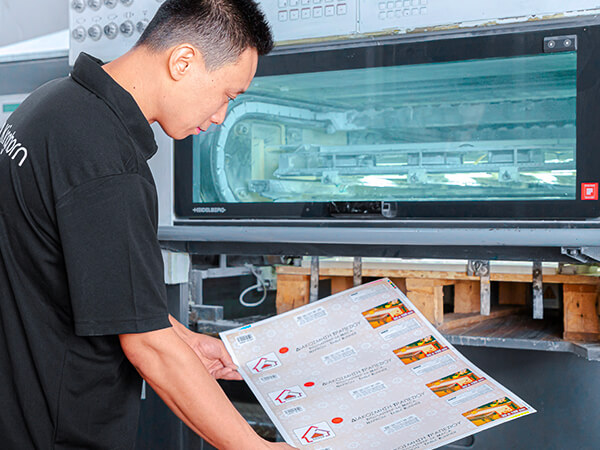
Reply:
x=10 y=145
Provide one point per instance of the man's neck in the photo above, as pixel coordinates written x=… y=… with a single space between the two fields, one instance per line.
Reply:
x=132 y=72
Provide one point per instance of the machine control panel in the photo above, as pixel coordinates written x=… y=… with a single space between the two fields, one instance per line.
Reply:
x=304 y=19
x=107 y=28
x=404 y=15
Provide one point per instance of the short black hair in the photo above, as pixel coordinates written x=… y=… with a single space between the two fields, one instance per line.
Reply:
x=220 y=29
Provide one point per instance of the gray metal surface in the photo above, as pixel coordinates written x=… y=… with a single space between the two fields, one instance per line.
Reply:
x=24 y=77
x=27 y=19
x=357 y=271
x=481 y=269
x=538 y=293
x=590 y=352
x=563 y=388
x=457 y=233
x=314 y=279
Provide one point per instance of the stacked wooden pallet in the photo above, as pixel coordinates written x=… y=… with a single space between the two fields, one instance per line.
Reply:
x=424 y=285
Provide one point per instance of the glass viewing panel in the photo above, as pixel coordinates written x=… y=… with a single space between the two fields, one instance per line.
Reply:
x=487 y=129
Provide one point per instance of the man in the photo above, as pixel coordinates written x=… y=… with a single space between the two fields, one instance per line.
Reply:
x=82 y=301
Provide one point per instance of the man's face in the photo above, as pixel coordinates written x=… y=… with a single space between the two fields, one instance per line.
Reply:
x=200 y=98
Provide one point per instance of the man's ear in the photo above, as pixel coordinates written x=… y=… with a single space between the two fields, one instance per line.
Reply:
x=181 y=60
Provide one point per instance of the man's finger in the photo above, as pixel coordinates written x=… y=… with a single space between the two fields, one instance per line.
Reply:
x=227 y=373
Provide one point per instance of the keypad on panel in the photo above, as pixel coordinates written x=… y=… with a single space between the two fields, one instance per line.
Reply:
x=399 y=8
x=292 y=10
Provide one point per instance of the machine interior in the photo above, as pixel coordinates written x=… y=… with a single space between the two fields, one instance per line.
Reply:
x=485 y=129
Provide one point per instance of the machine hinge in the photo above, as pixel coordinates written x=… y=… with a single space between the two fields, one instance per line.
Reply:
x=582 y=254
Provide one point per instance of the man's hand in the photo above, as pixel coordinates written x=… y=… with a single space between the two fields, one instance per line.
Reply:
x=214 y=356
x=210 y=351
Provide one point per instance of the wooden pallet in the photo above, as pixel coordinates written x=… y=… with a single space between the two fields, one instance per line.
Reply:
x=425 y=289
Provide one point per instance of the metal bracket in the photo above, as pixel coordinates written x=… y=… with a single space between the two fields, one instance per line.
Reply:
x=357 y=270
x=582 y=254
x=538 y=292
x=314 y=279
x=555 y=44
x=481 y=269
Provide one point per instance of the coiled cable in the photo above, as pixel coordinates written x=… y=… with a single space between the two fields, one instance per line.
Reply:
x=260 y=283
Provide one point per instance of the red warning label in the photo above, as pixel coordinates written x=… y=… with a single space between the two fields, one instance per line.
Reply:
x=589 y=191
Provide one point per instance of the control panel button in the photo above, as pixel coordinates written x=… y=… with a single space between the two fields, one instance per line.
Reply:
x=294 y=14
x=382 y=15
x=306 y=13
x=111 y=30
x=342 y=9
x=317 y=11
x=294 y=2
x=390 y=5
x=127 y=2
x=306 y=2
x=111 y=3
x=329 y=10
x=95 y=4
x=316 y=2
x=95 y=32
x=423 y=10
x=283 y=16
x=141 y=25
x=283 y=3
x=79 y=34
x=127 y=28
x=381 y=6
x=78 y=5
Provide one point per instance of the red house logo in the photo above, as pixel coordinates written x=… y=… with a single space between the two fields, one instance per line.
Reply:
x=263 y=363
x=287 y=395
x=314 y=433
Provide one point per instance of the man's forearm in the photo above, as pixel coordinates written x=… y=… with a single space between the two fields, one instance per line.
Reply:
x=182 y=331
x=170 y=366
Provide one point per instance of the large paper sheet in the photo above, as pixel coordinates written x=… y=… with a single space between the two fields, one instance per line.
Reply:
x=364 y=369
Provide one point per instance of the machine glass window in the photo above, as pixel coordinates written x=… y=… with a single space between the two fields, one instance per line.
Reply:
x=492 y=129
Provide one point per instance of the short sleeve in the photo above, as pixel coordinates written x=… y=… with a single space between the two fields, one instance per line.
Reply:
x=112 y=256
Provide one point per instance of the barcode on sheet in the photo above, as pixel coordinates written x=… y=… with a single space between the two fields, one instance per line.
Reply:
x=292 y=411
x=470 y=394
x=244 y=338
x=400 y=329
x=367 y=390
x=339 y=355
x=400 y=424
x=367 y=293
x=268 y=378
x=432 y=365
x=310 y=316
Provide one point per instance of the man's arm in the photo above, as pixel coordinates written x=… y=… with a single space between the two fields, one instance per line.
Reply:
x=178 y=376
x=211 y=352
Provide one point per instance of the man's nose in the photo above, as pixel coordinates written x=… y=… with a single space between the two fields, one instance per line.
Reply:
x=219 y=116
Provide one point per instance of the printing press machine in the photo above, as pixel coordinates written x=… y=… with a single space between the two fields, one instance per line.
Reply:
x=466 y=136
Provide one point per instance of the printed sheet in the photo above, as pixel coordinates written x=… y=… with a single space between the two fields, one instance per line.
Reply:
x=364 y=369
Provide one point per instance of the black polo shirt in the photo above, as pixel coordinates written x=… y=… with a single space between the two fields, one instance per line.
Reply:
x=80 y=263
